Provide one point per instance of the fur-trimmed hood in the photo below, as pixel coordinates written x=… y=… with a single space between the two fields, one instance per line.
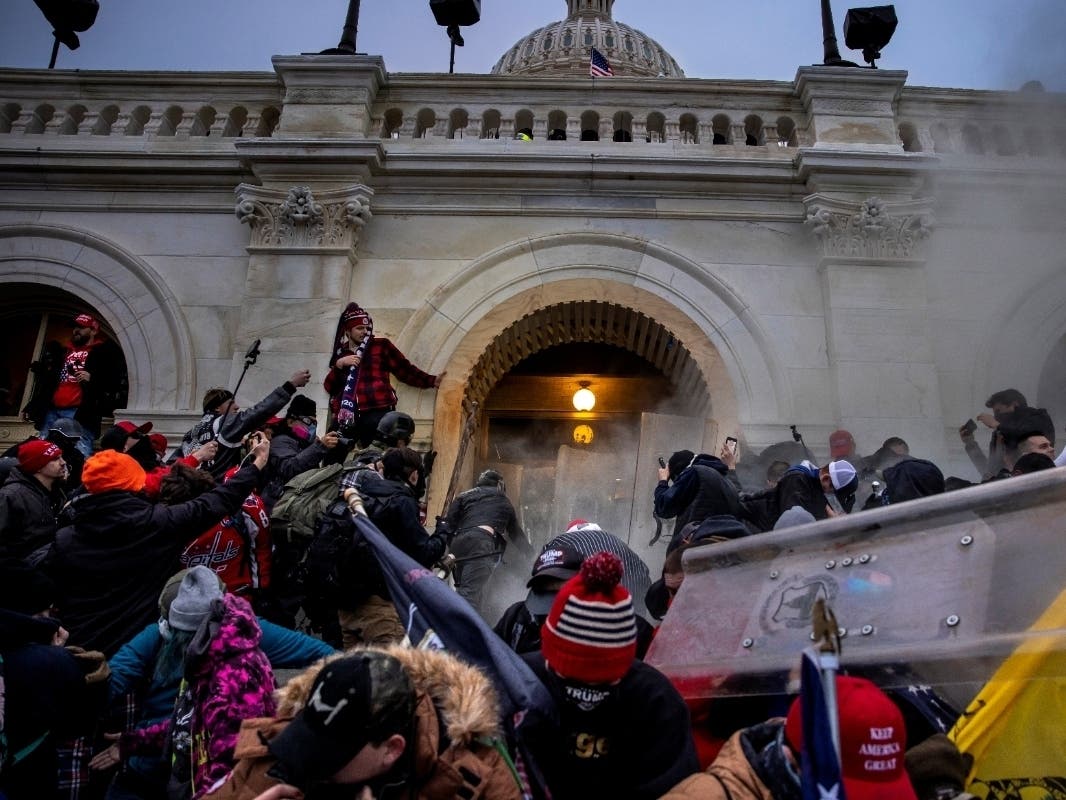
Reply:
x=463 y=695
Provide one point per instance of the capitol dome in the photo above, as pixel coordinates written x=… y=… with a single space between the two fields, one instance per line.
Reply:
x=565 y=47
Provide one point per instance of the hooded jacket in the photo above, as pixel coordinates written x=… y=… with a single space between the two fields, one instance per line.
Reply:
x=288 y=458
x=910 y=479
x=700 y=491
x=229 y=679
x=392 y=507
x=453 y=753
x=750 y=766
x=112 y=562
x=27 y=514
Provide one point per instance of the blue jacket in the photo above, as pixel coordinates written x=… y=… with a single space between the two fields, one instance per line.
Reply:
x=134 y=664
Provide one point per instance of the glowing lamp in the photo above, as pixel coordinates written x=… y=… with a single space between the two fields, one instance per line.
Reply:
x=583 y=434
x=584 y=399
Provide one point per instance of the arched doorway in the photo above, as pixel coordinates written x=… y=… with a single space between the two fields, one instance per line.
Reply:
x=32 y=315
x=650 y=398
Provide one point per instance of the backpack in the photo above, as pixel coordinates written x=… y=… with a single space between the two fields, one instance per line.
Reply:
x=328 y=560
x=302 y=502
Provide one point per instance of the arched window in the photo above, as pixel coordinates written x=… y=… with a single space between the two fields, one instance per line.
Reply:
x=529 y=48
x=490 y=124
x=656 y=127
x=523 y=119
x=590 y=127
x=630 y=48
x=424 y=122
x=548 y=42
x=201 y=125
x=557 y=126
x=689 y=127
x=786 y=132
x=646 y=48
x=721 y=127
x=908 y=135
x=168 y=125
x=75 y=114
x=42 y=115
x=941 y=137
x=235 y=123
x=623 y=127
x=971 y=140
x=268 y=122
x=458 y=121
x=138 y=119
x=392 y=123
x=753 y=133
x=105 y=120
x=9 y=112
x=608 y=39
x=588 y=36
x=568 y=38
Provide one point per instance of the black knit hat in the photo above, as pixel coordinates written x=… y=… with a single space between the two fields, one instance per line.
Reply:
x=301 y=406
x=678 y=461
x=24 y=589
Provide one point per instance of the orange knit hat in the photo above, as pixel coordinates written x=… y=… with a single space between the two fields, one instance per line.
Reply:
x=109 y=470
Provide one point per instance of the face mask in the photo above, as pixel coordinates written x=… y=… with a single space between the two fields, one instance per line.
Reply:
x=304 y=432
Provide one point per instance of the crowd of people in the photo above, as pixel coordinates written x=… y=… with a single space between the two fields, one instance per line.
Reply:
x=205 y=620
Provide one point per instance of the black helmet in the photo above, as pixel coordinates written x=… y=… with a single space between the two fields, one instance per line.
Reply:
x=69 y=429
x=489 y=477
x=396 y=425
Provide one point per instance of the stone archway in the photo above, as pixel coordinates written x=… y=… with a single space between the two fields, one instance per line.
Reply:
x=456 y=325
x=143 y=313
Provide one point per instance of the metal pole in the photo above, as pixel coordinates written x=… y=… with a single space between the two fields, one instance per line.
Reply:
x=351 y=27
x=55 y=52
x=829 y=37
x=451 y=62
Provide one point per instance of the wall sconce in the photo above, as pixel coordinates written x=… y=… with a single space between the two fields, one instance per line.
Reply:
x=583 y=434
x=584 y=399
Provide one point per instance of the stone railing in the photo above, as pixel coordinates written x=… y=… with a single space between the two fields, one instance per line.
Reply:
x=178 y=105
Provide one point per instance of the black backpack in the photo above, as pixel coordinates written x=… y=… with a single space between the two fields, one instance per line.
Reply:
x=331 y=554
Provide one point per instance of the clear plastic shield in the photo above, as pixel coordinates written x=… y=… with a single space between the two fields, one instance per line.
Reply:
x=939 y=591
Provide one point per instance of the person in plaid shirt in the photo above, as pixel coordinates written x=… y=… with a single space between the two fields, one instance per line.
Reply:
x=360 y=392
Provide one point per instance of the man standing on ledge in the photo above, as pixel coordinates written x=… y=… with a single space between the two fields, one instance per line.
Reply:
x=360 y=392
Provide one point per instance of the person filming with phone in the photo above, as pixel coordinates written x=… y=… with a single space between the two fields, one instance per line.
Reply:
x=699 y=490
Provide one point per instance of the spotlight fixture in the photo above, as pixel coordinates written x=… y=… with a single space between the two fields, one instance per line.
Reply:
x=584 y=399
x=869 y=30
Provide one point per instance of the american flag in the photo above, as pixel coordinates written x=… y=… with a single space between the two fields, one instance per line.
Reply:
x=598 y=66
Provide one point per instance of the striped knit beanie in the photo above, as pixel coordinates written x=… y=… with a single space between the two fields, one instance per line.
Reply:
x=590 y=635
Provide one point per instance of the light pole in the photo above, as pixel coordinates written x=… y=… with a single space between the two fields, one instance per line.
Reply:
x=346 y=46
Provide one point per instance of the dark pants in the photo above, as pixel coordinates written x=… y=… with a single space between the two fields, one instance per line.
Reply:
x=478 y=555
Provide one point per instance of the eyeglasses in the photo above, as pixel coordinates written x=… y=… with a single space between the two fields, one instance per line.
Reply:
x=307 y=420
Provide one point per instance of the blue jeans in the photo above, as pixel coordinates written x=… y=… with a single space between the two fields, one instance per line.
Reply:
x=85 y=443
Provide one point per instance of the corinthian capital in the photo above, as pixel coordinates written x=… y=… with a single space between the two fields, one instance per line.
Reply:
x=304 y=219
x=871 y=229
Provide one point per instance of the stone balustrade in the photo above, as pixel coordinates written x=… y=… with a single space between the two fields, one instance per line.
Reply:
x=701 y=113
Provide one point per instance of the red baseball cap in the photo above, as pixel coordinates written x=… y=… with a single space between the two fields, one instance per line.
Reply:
x=872 y=741
x=840 y=443
x=159 y=443
x=86 y=321
x=129 y=427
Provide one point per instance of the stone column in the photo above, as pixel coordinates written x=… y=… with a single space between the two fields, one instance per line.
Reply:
x=876 y=316
x=301 y=255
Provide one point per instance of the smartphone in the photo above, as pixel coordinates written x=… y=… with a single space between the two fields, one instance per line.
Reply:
x=662 y=463
x=970 y=426
x=731 y=444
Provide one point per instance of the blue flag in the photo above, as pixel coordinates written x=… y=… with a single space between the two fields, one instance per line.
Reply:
x=435 y=616
x=820 y=776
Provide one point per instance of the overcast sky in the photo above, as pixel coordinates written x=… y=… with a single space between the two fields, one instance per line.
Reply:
x=981 y=44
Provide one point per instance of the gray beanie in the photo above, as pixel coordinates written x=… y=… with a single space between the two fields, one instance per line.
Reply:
x=797 y=515
x=199 y=589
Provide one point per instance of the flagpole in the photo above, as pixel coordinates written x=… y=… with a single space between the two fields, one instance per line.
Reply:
x=826 y=633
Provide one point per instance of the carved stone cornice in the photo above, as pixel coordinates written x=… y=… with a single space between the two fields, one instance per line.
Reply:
x=873 y=229
x=303 y=220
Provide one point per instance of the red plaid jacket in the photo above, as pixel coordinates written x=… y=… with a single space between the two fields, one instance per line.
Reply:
x=372 y=388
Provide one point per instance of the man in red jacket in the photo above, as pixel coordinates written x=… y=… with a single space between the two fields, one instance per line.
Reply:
x=360 y=392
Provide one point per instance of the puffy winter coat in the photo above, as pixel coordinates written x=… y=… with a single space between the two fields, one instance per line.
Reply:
x=27 y=514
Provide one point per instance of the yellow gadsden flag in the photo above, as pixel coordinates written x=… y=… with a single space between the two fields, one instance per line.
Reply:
x=1016 y=726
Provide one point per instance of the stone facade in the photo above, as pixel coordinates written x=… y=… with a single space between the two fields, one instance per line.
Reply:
x=851 y=252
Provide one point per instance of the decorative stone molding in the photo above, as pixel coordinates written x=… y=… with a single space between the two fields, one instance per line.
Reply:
x=302 y=219
x=874 y=229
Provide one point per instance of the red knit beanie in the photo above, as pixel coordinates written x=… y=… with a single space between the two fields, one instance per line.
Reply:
x=33 y=455
x=109 y=470
x=590 y=635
